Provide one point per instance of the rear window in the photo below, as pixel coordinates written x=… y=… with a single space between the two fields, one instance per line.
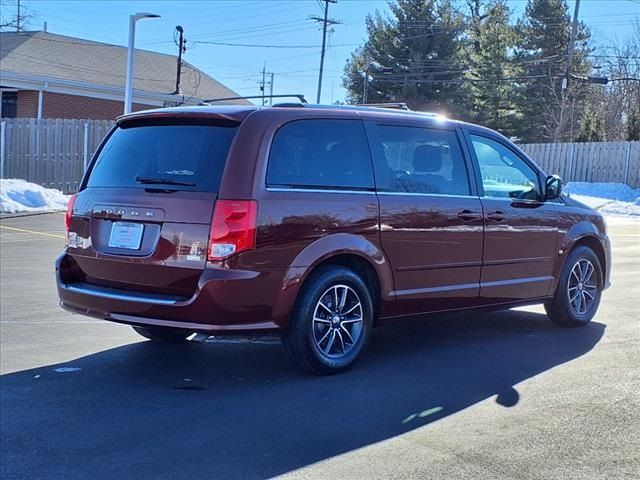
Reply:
x=177 y=157
x=326 y=154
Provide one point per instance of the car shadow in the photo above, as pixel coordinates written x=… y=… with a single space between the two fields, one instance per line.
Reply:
x=242 y=411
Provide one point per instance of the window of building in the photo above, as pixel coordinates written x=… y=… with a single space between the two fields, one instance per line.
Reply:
x=9 y=105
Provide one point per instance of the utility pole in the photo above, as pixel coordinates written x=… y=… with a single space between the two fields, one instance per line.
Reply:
x=567 y=73
x=182 y=48
x=18 y=17
x=325 y=21
x=262 y=84
x=271 y=89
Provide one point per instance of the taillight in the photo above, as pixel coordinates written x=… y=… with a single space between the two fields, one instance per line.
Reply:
x=67 y=218
x=233 y=228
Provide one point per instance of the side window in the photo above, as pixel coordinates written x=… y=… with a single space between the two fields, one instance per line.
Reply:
x=417 y=160
x=320 y=154
x=504 y=174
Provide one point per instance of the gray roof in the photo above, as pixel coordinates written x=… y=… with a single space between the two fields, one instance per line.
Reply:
x=45 y=54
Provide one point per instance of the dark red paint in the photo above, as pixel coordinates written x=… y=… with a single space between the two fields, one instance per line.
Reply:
x=425 y=253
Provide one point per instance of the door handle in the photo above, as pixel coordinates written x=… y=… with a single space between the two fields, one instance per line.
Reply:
x=496 y=216
x=468 y=215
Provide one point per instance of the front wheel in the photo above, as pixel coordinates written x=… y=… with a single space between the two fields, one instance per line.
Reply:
x=331 y=322
x=163 y=334
x=579 y=290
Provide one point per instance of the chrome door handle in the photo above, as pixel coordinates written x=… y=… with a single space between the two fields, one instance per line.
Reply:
x=468 y=215
x=496 y=216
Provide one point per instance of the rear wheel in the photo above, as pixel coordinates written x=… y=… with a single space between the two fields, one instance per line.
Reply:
x=331 y=322
x=163 y=334
x=579 y=290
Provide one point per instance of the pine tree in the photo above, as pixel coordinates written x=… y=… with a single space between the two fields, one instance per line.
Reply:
x=545 y=32
x=591 y=128
x=633 y=126
x=492 y=96
x=419 y=45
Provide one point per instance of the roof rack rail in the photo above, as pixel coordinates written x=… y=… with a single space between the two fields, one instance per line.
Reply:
x=299 y=96
x=392 y=105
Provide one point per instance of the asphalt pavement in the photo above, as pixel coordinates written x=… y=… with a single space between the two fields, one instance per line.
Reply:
x=504 y=395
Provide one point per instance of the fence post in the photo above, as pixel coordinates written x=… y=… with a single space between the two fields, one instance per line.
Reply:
x=627 y=160
x=2 y=152
x=85 y=147
x=571 y=160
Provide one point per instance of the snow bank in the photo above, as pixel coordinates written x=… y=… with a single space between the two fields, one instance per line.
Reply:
x=21 y=196
x=608 y=198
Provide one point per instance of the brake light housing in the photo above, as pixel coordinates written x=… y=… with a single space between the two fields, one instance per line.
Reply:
x=69 y=214
x=233 y=228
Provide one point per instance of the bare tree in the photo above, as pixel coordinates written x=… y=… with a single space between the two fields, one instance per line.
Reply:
x=619 y=102
x=15 y=15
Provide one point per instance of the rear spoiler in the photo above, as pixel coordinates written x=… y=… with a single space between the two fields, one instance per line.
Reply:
x=167 y=114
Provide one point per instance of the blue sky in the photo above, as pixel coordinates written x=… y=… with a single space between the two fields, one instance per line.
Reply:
x=267 y=22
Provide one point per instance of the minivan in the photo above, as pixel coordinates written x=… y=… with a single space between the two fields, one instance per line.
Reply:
x=318 y=223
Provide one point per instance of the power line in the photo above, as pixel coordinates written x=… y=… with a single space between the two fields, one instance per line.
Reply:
x=256 y=45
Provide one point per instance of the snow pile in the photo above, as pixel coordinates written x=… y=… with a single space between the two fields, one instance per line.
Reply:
x=607 y=198
x=21 y=196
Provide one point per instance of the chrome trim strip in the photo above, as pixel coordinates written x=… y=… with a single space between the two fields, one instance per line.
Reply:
x=445 y=288
x=515 y=281
x=411 y=194
x=467 y=286
x=117 y=296
x=319 y=190
x=439 y=265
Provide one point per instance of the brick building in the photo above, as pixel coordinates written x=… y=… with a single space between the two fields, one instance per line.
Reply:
x=43 y=75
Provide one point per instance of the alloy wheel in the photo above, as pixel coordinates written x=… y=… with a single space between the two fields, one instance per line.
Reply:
x=337 y=321
x=582 y=287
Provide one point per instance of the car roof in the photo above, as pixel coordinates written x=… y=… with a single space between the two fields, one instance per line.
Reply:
x=239 y=112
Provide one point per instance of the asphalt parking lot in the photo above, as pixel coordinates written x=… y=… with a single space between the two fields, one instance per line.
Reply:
x=495 y=395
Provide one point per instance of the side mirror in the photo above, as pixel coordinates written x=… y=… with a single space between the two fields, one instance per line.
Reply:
x=552 y=187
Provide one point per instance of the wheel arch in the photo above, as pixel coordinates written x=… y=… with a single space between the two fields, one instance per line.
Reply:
x=594 y=244
x=352 y=251
x=588 y=234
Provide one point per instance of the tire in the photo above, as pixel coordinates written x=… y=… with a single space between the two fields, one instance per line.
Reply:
x=326 y=337
x=163 y=334
x=579 y=289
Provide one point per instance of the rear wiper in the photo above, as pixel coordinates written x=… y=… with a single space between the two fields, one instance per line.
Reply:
x=163 y=181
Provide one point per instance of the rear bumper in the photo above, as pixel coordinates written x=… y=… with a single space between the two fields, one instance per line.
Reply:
x=225 y=301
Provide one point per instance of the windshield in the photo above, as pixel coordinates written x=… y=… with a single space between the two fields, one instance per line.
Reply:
x=180 y=157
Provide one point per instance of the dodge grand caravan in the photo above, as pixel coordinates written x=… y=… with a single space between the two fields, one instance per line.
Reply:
x=317 y=223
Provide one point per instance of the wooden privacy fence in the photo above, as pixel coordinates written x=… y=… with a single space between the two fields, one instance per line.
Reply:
x=55 y=152
x=50 y=152
x=607 y=162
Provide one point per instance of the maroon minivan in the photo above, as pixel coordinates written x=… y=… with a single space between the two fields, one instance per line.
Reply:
x=317 y=223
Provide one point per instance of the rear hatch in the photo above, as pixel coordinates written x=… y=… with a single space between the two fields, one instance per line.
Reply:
x=143 y=218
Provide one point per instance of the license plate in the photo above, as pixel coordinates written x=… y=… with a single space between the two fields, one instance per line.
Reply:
x=126 y=235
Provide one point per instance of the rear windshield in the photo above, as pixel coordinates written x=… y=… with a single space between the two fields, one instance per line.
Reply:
x=177 y=157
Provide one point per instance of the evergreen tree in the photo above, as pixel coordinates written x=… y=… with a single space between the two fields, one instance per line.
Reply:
x=419 y=47
x=633 y=126
x=492 y=96
x=591 y=128
x=545 y=32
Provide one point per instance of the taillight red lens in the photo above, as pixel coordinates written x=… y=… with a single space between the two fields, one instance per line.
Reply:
x=67 y=218
x=233 y=228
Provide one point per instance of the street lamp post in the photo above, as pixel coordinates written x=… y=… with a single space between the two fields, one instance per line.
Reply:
x=128 y=88
x=370 y=66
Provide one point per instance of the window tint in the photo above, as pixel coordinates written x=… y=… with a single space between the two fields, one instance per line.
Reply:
x=193 y=155
x=417 y=160
x=320 y=154
x=504 y=174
